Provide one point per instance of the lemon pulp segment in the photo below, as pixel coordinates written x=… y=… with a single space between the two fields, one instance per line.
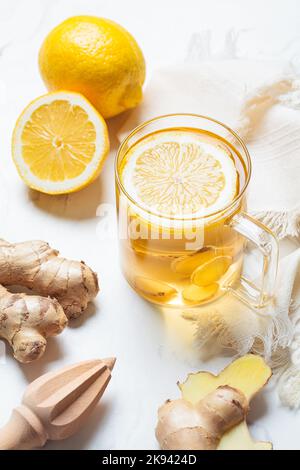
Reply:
x=58 y=141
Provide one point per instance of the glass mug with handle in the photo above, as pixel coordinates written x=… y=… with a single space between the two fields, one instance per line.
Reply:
x=181 y=185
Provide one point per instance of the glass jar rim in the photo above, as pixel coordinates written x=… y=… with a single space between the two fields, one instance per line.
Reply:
x=226 y=208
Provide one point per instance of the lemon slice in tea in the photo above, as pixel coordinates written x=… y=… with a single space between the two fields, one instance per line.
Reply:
x=180 y=173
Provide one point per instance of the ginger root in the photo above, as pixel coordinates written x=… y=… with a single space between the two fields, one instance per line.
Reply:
x=65 y=287
x=27 y=320
x=205 y=417
x=182 y=425
x=35 y=265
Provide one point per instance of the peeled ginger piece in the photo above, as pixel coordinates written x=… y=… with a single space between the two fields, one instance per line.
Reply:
x=248 y=374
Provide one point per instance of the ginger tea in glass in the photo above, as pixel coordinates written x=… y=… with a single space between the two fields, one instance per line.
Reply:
x=181 y=182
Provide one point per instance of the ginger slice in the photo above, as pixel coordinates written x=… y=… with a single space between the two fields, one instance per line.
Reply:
x=211 y=271
x=239 y=438
x=153 y=288
x=247 y=374
x=187 y=264
x=196 y=294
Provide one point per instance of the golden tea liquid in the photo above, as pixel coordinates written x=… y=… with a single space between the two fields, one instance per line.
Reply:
x=178 y=248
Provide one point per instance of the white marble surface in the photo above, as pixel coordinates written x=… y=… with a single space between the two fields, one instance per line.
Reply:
x=154 y=350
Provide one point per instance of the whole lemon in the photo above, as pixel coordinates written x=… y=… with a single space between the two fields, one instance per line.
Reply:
x=97 y=58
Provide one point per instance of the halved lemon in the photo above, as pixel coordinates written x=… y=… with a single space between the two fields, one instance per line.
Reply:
x=59 y=143
x=180 y=173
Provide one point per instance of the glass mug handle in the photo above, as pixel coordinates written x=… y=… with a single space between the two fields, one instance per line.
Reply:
x=266 y=243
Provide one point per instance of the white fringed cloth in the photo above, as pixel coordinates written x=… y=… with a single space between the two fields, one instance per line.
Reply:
x=260 y=100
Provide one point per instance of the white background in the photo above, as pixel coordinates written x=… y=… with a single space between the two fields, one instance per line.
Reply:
x=154 y=349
